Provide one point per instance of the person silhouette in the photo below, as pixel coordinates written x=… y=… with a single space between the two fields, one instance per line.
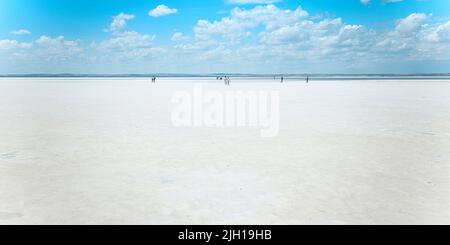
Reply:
x=307 y=79
x=282 y=79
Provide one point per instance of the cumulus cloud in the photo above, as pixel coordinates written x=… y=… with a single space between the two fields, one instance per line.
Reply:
x=123 y=44
x=240 y=20
x=365 y=2
x=57 y=48
x=46 y=54
x=292 y=38
x=21 y=32
x=415 y=37
x=411 y=23
x=126 y=44
x=124 y=48
x=255 y=39
x=162 y=10
x=120 y=21
x=13 y=44
x=283 y=36
x=438 y=33
x=178 y=37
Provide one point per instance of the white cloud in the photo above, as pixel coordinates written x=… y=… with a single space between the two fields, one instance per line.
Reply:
x=291 y=38
x=126 y=41
x=237 y=2
x=123 y=44
x=178 y=37
x=120 y=21
x=416 y=38
x=240 y=20
x=162 y=10
x=284 y=38
x=411 y=23
x=60 y=41
x=13 y=44
x=365 y=2
x=21 y=32
x=439 y=33
x=255 y=39
x=57 y=48
x=46 y=54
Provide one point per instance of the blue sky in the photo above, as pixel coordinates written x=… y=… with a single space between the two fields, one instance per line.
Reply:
x=250 y=36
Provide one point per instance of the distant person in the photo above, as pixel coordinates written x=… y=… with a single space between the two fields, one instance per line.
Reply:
x=307 y=79
x=282 y=79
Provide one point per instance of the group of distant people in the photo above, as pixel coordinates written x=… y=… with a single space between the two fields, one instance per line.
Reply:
x=226 y=79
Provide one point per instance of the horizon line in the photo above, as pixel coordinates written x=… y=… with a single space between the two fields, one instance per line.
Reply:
x=216 y=74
